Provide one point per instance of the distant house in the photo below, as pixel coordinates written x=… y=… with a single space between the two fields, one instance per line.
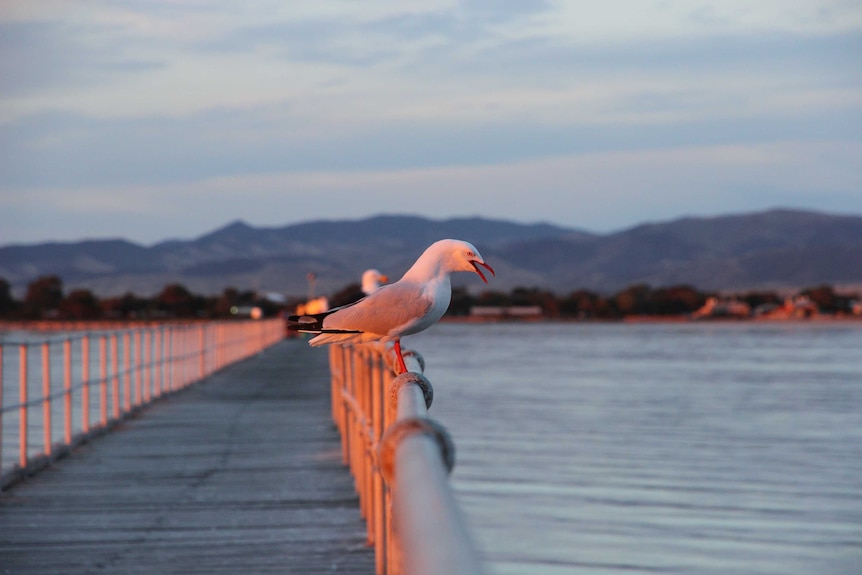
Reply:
x=719 y=308
x=800 y=307
x=313 y=306
x=797 y=307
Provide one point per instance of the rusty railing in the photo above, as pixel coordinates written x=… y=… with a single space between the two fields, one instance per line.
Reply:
x=400 y=460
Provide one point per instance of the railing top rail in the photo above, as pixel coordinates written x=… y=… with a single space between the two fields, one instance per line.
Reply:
x=414 y=457
x=59 y=332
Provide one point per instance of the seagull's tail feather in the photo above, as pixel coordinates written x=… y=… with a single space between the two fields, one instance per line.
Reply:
x=331 y=336
x=313 y=323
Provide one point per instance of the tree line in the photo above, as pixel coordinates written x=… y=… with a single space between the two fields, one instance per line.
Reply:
x=45 y=298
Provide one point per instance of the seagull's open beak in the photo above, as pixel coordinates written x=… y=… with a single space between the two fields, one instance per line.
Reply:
x=476 y=265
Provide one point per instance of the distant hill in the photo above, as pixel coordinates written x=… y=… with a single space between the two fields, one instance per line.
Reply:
x=767 y=250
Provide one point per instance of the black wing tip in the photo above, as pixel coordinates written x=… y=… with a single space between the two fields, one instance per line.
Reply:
x=313 y=324
x=340 y=331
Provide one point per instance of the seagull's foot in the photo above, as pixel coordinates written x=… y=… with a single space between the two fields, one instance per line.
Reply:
x=401 y=364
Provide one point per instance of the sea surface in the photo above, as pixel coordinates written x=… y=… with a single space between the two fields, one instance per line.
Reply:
x=696 y=448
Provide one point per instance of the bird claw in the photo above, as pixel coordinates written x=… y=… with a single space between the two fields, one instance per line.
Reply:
x=401 y=364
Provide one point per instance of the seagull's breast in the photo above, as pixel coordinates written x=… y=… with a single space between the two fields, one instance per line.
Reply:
x=436 y=294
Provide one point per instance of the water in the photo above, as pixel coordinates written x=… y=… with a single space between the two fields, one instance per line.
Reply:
x=678 y=448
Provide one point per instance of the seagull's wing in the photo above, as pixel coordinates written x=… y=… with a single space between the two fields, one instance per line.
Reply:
x=388 y=311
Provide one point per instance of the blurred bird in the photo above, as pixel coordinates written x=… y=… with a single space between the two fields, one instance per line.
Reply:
x=413 y=303
x=371 y=281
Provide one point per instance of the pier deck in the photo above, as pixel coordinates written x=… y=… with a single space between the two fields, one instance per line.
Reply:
x=240 y=474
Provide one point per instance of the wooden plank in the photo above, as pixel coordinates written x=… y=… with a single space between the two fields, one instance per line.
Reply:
x=239 y=474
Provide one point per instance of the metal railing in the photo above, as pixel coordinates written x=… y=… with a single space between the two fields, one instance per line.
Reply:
x=125 y=366
x=400 y=460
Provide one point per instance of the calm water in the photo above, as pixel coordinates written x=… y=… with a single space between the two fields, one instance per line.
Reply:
x=693 y=448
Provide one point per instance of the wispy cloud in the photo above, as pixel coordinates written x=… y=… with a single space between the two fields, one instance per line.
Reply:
x=143 y=96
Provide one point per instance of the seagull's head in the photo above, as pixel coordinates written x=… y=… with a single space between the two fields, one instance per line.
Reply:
x=371 y=280
x=461 y=256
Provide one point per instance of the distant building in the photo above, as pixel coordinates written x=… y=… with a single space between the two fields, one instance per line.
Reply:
x=800 y=307
x=718 y=308
x=797 y=307
x=313 y=306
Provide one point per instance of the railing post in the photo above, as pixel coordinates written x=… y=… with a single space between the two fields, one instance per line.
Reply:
x=148 y=389
x=158 y=382
x=345 y=390
x=219 y=340
x=138 y=367
x=67 y=390
x=359 y=395
x=85 y=383
x=103 y=381
x=181 y=350
x=115 y=377
x=171 y=353
x=369 y=445
x=46 y=397
x=22 y=396
x=127 y=372
x=203 y=352
x=379 y=498
x=335 y=367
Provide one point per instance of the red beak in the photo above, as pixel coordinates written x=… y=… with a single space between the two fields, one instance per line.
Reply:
x=484 y=265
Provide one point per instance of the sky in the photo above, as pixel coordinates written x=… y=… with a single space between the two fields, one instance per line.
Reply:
x=161 y=119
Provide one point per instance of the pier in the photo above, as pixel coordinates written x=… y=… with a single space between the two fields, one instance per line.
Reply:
x=258 y=457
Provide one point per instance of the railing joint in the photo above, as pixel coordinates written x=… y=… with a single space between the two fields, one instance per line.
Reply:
x=404 y=428
x=411 y=378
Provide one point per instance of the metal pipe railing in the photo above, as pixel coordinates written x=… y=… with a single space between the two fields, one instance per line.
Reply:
x=400 y=460
x=156 y=359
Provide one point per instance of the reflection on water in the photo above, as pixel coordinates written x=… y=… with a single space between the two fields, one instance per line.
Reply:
x=707 y=448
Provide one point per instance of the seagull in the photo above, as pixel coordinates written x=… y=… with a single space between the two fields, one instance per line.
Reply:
x=371 y=281
x=412 y=304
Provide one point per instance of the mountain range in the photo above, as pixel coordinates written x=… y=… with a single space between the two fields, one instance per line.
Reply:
x=776 y=249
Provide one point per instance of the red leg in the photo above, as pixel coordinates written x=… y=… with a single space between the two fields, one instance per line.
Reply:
x=400 y=357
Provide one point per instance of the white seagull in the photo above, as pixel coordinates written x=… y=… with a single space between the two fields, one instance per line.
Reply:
x=408 y=306
x=371 y=281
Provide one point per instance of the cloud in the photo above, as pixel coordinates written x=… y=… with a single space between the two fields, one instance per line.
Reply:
x=40 y=56
x=143 y=97
x=596 y=191
x=472 y=61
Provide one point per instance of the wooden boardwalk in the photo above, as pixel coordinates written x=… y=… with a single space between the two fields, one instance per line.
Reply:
x=239 y=474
